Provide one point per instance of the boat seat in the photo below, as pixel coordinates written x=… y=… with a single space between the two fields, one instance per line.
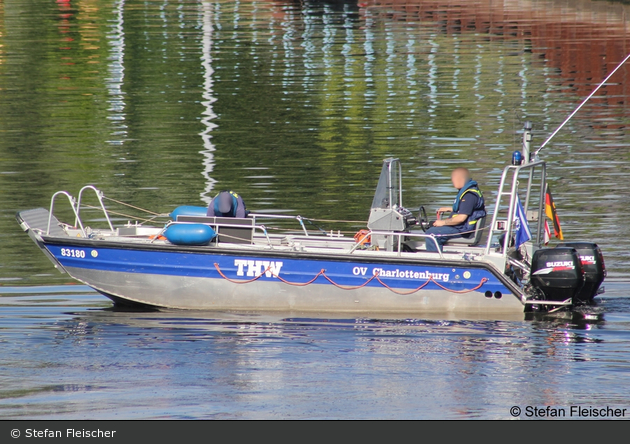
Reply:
x=414 y=244
x=472 y=240
x=232 y=230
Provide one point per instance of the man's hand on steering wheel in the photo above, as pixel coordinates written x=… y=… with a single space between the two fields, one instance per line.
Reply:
x=423 y=219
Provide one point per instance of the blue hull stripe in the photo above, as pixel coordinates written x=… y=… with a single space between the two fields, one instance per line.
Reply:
x=241 y=268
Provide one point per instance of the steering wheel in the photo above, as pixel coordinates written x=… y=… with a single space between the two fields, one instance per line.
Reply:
x=423 y=219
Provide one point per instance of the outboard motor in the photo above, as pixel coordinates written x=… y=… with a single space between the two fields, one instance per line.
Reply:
x=594 y=268
x=557 y=273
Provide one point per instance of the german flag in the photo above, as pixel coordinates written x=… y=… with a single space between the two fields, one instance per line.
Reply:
x=550 y=211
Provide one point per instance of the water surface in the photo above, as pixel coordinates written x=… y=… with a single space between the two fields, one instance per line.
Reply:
x=66 y=355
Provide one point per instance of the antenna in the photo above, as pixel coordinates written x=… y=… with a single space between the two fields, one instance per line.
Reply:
x=581 y=105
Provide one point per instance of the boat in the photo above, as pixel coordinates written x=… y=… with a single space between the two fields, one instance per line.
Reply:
x=226 y=263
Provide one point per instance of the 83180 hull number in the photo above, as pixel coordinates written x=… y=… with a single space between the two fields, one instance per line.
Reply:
x=71 y=252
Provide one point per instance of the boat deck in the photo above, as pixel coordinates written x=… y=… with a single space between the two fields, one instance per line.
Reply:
x=292 y=241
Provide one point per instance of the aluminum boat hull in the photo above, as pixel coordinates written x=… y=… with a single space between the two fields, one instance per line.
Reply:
x=224 y=279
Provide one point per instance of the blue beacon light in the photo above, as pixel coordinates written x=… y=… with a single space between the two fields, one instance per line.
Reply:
x=517 y=158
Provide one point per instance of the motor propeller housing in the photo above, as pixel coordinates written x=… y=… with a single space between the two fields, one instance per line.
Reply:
x=557 y=273
x=594 y=268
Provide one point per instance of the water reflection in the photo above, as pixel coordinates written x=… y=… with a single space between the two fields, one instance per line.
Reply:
x=285 y=101
x=580 y=38
x=203 y=365
x=116 y=40
x=208 y=115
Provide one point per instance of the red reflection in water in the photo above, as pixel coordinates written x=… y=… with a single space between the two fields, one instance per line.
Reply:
x=65 y=15
x=583 y=40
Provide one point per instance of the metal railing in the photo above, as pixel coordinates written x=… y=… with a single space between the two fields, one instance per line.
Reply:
x=300 y=219
x=253 y=227
x=99 y=196
x=75 y=204
x=76 y=208
x=72 y=205
x=512 y=194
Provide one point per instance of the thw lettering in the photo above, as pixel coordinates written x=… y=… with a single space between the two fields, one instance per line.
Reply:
x=255 y=268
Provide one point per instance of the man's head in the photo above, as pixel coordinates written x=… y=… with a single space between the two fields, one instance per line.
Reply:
x=225 y=202
x=460 y=177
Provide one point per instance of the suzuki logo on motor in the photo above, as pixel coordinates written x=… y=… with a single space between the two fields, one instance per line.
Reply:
x=560 y=264
x=256 y=268
x=588 y=260
x=556 y=266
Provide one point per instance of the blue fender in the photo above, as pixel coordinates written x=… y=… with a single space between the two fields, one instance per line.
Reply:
x=189 y=210
x=189 y=234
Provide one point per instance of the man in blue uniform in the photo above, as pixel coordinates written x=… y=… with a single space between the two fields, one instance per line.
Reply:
x=467 y=209
x=227 y=204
